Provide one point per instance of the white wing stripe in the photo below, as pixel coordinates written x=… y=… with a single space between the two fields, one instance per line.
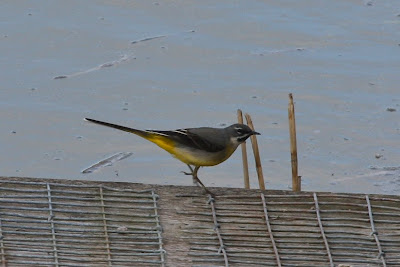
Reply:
x=147 y=131
x=180 y=132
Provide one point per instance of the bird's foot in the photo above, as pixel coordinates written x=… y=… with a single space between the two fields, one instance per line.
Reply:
x=192 y=171
x=197 y=180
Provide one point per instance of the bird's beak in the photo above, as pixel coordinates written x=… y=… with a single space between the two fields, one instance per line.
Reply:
x=255 y=133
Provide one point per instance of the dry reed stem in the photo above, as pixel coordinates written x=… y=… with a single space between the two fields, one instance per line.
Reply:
x=256 y=152
x=296 y=179
x=244 y=155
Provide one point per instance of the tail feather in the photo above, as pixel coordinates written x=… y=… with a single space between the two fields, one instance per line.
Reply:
x=119 y=127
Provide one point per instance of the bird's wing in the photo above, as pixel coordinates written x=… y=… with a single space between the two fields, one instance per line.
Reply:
x=207 y=139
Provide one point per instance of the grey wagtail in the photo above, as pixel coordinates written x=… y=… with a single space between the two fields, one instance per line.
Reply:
x=196 y=147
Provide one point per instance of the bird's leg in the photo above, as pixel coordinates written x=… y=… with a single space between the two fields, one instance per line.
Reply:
x=191 y=170
x=190 y=173
x=196 y=179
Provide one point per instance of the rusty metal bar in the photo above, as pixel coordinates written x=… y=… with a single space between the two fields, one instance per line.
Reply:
x=211 y=202
x=159 y=229
x=381 y=254
x=278 y=261
x=107 y=240
x=53 y=231
x=322 y=230
x=3 y=257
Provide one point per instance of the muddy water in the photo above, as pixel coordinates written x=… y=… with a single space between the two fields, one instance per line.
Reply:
x=167 y=65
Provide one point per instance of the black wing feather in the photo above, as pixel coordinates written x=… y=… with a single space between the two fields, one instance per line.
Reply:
x=198 y=138
x=205 y=143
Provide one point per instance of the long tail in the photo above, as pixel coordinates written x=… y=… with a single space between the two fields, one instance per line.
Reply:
x=122 y=128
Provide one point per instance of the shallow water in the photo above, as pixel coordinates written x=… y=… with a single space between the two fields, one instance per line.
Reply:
x=340 y=59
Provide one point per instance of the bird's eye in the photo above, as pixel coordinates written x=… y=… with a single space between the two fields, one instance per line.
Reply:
x=239 y=131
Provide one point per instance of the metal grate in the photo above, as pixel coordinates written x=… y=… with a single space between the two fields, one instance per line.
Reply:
x=217 y=230
x=306 y=229
x=51 y=224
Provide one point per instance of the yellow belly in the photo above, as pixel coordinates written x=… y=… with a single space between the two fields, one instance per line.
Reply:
x=163 y=142
x=192 y=156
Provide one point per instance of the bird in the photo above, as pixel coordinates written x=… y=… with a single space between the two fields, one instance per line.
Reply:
x=196 y=147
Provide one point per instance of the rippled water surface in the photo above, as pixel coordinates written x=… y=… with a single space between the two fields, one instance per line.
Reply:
x=175 y=64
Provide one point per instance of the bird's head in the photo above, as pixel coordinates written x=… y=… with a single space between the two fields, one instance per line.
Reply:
x=240 y=132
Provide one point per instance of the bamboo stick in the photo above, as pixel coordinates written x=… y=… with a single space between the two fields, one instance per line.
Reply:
x=296 y=179
x=244 y=155
x=256 y=152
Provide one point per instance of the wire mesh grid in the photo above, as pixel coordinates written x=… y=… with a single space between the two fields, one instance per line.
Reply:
x=306 y=229
x=51 y=224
